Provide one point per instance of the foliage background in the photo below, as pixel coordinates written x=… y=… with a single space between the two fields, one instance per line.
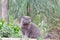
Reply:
x=44 y=13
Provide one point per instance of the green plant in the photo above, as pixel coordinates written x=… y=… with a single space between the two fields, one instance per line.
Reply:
x=9 y=30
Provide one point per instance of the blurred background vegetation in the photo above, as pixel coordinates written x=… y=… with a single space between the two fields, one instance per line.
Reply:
x=44 y=13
